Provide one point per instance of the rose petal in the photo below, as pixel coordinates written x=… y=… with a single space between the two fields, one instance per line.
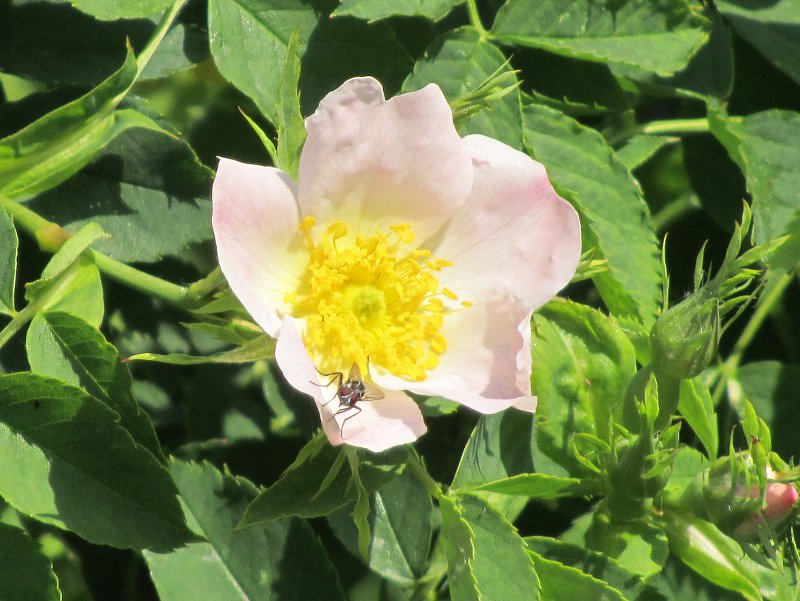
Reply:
x=255 y=221
x=381 y=424
x=485 y=357
x=374 y=163
x=515 y=234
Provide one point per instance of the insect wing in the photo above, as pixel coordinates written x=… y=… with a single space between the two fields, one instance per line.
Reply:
x=372 y=393
x=355 y=374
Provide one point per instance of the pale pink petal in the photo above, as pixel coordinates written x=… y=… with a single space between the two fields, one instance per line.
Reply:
x=374 y=163
x=255 y=220
x=486 y=359
x=515 y=234
x=391 y=421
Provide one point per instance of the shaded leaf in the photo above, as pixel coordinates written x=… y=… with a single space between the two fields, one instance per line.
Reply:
x=65 y=461
x=25 y=573
x=459 y=61
x=565 y=583
x=262 y=347
x=278 y=561
x=537 y=486
x=147 y=190
x=121 y=9
x=697 y=407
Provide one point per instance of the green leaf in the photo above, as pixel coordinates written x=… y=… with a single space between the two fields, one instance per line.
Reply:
x=72 y=249
x=591 y=563
x=697 y=408
x=583 y=365
x=63 y=346
x=319 y=481
x=374 y=10
x=500 y=446
x=537 y=486
x=338 y=49
x=636 y=546
x=8 y=263
x=459 y=61
x=290 y=126
x=616 y=219
x=773 y=28
x=565 y=583
x=56 y=146
x=262 y=347
x=25 y=573
x=147 y=190
x=486 y=557
x=401 y=526
x=121 y=9
x=281 y=560
x=64 y=460
x=639 y=149
x=658 y=36
x=704 y=548
x=764 y=145
x=56 y=43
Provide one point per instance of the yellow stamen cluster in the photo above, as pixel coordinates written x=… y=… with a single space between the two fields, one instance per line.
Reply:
x=367 y=302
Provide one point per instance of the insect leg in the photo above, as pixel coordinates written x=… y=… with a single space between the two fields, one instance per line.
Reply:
x=341 y=430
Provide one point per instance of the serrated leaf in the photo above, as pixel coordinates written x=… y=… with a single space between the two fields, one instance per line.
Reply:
x=583 y=362
x=401 y=525
x=290 y=126
x=374 y=10
x=319 y=481
x=500 y=446
x=459 y=61
x=56 y=43
x=279 y=561
x=585 y=170
x=65 y=461
x=147 y=190
x=8 y=263
x=63 y=346
x=565 y=583
x=121 y=9
x=483 y=549
x=338 y=49
x=764 y=145
x=596 y=565
x=705 y=549
x=537 y=486
x=262 y=347
x=636 y=546
x=697 y=407
x=658 y=36
x=25 y=573
x=638 y=149
x=773 y=28
x=56 y=146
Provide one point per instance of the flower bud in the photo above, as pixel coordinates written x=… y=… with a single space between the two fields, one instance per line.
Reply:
x=734 y=504
x=684 y=338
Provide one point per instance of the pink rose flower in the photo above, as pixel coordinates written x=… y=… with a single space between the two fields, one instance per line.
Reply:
x=403 y=249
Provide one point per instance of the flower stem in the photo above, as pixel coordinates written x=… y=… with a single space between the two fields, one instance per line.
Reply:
x=669 y=126
x=158 y=36
x=475 y=18
x=34 y=224
x=421 y=474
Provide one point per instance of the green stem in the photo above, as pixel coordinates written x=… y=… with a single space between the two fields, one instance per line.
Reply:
x=158 y=36
x=422 y=475
x=33 y=224
x=670 y=126
x=475 y=18
x=762 y=311
x=685 y=203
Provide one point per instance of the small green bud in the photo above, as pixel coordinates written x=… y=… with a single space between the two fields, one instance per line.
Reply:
x=684 y=338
